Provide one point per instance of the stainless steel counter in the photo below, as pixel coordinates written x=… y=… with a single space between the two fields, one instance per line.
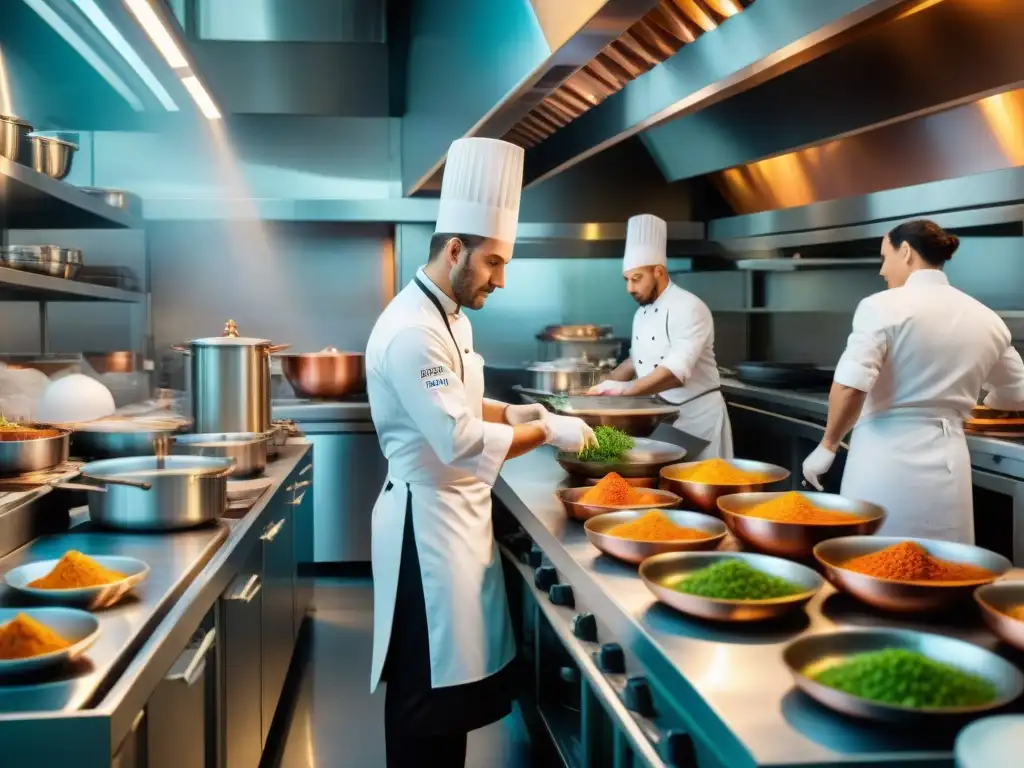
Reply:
x=356 y=409
x=731 y=683
x=93 y=709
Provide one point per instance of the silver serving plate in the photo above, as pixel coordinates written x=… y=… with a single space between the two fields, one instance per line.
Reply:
x=705 y=496
x=633 y=551
x=994 y=600
x=645 y=459
x=796 y=540
x=583 y=512
x=905 y=596
x=809 y=654
x=662 y=572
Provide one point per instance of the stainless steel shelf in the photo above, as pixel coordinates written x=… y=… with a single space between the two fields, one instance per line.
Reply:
x=16 y=285
x=792 y=265
x=30 y=200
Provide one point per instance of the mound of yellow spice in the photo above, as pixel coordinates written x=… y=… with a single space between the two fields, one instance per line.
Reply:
x=655 y=526
x=23 y=637
x=794 y=507
x=718 y=472
x=75 y=571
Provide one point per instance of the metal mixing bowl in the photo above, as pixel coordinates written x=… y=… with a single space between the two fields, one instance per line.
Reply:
x=662 y=572
x=705 y=496
x=14 y=138
x=808 y=655
x=248 y=450
x=325 y=374
x=635 y=552
x=996 y=598
x=645 y=459
x=52 y=156
x=904 y=596
x=636 y=416
x=583 y=512
x=795 y=540
x=42 y=259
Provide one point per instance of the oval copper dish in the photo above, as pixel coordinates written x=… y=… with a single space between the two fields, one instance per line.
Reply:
x=704 y=496
x=807 y=655
x=995 y=600
x=787 y=539
x=635 y=551
x=325 y=374
x=662 y=572
x=583 y=512
x=905 y=596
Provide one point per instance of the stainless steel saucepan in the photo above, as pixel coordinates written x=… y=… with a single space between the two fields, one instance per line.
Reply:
x=119 y=438
x=32 y=448
x=248 y=450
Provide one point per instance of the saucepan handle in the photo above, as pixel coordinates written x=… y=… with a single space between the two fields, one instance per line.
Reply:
x=275 y=348
x=103 y=482
x=185 y=349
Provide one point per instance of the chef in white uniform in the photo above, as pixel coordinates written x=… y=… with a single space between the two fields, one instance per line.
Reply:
x=672 y=352
x=442 y=637
x=919 y=356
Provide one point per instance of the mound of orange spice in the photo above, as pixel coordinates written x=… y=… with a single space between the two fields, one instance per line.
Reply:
x=655 y=526
x=718 y=472
x=23 y=637
x=613 y=491
x=74 y=571
x=909 y=561
x=794 y=507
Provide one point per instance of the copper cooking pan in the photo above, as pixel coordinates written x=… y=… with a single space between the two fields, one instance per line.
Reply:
x=325 y=374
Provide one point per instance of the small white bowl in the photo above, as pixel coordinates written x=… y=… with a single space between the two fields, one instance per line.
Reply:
x=89 y=598
x=77 y=627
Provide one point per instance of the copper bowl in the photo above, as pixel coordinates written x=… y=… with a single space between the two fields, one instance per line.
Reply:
x=325 y=374
x=995 y=599
x=574 y=508
x=636 y=551
x=796 y=540
x=905 y=596
x=704 y=496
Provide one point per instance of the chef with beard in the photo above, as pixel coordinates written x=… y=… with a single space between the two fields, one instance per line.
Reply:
x=672 y=351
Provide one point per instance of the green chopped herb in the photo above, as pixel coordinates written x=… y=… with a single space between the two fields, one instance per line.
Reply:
x=612 y=444
x=907 y=679
x=736 y=580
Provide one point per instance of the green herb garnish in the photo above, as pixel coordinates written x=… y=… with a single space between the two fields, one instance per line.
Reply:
x=612 y=444
x=736 y=580
x=907 y=679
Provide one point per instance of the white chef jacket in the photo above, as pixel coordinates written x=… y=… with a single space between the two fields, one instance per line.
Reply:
x=923 y=353
x=441 y=451
x=677 y=331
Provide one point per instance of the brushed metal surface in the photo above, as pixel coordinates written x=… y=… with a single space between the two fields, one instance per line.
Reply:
x=705 y=496
x=790 y=539
x=905 y=596
x=833 y=647
x=23 y=456
x=577 y=510
x=645 y=459
x=994 y=600
x=661 y=573
x=633 y=551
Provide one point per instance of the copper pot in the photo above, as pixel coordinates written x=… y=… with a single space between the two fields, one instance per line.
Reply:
x=325 y=374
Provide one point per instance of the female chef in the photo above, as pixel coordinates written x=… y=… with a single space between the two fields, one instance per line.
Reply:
x=918 y=357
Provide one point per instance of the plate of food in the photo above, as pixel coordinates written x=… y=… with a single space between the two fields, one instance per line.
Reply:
x=78 y=580
x=36 y=638
x=619 y=452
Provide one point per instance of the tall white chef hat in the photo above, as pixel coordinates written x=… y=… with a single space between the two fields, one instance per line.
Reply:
x=646 y=241
x=483 y=180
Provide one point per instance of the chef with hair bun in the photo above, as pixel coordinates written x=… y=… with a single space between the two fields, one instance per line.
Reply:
x=672 y=349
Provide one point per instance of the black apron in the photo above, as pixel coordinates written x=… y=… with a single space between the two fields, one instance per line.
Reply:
x=411 y=704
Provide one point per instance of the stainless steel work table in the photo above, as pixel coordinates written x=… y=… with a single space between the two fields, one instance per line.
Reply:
x=731 y=682
x=97 y=701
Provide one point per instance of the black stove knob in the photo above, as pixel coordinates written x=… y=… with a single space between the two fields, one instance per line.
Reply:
x=637 y=696
x=584 y=627
x=677 y=749
x=518 y=544
x=561 y=594
x=545 y=577
x=611 y=660
x=535 y=557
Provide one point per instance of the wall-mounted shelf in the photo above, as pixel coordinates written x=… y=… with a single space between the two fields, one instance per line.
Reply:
x=30 y=200
x=792 y=265
x=16 y=285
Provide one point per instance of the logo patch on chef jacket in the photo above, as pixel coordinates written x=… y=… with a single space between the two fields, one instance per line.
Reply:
x=435 y=377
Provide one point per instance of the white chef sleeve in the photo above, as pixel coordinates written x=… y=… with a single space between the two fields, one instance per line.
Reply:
x=1006 y=382
x=426 y=381
x=865 y=348
x=690 y=328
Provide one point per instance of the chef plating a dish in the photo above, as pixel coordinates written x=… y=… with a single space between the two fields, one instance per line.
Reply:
x=918 y=357
x=672 y=351
x=442 y=636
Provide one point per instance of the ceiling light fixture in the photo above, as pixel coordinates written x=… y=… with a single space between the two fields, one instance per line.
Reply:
x=154 y=27
x=127 y=52
x=201 y=97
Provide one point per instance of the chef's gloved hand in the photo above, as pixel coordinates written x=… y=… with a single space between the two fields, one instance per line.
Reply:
x=817 y=464
x=523 y=414
x=568 y=433
x=609 y=387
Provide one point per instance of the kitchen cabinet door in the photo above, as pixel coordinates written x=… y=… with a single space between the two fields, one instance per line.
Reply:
x=278 y=607
x=241 y=661
x=301 y=485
